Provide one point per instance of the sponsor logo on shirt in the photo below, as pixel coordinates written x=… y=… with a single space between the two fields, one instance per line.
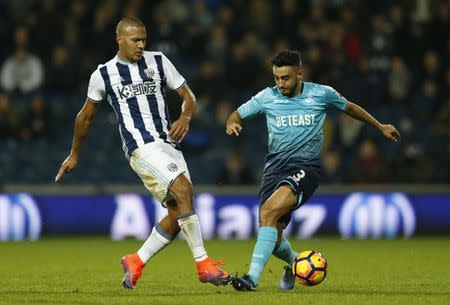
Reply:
x=295 y=120
x=131 y=90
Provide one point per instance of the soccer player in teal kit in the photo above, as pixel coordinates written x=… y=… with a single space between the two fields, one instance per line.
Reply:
x=295 y=112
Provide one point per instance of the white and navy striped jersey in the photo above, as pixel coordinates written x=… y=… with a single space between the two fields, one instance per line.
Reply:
x=136 y=91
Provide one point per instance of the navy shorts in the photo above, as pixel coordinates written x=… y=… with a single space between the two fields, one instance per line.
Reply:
x=303 y=180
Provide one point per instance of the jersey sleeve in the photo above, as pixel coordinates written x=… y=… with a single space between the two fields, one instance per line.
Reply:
x=96 y=88
x=174 y=79
x=252 y=107
x=335 y=99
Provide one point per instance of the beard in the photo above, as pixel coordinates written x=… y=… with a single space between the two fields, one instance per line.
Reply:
x=291 y=91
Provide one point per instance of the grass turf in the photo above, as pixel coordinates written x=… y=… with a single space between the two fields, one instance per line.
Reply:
x=87 y=271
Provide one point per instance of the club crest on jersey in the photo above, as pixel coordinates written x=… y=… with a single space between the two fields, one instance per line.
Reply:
x=309 y=100
x=149 y=72
x=172 y=167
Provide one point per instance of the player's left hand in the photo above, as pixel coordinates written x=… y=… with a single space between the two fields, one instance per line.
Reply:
x=180 y=128
x=390 y=132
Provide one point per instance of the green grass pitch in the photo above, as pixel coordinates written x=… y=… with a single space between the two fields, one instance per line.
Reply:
x=87 y=271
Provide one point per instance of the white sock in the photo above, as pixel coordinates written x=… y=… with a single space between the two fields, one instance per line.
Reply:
x=157 y=240
x=190 y=225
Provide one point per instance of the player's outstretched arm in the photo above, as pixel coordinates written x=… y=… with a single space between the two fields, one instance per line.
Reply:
x=234 y=124
x=83 y=123
x=180 y=127
x=388 y=130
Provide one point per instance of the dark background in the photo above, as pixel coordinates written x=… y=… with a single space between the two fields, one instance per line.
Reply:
x=391 y=57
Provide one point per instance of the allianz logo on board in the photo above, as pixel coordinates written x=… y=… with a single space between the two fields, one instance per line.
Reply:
x=19 y=218
x=374 y=215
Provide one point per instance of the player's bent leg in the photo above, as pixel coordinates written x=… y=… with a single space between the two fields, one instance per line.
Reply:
x=278 y=204
x=166 y=176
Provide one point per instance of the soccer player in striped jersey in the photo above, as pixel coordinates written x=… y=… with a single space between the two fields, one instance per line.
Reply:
x=295 y=111
x=134 y=84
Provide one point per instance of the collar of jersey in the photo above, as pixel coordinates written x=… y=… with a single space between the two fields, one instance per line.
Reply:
x=120 y=61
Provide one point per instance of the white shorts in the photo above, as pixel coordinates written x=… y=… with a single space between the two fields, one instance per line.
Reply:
x=158 y=164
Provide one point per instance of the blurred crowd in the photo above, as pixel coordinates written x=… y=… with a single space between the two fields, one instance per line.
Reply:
x=391 y=57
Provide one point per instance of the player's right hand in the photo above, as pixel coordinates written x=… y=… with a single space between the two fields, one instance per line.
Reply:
x=233 y=128
x=390 y=132
x=68 y=164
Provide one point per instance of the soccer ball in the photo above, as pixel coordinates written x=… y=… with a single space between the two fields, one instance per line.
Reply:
x=310 y=268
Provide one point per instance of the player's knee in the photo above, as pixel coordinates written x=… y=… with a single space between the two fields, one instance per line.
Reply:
x=171 y=204
x=268 y=216
x=182 y=191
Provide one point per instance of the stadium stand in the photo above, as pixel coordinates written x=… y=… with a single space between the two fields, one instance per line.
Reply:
x=396 y=65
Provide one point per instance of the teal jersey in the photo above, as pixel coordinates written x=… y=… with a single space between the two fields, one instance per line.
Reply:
x=294 y=124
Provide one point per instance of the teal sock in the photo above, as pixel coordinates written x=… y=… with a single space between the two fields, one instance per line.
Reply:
x=267 y=238
x=284 y=252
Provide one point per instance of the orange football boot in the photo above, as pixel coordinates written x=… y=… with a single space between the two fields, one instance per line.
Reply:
x=208 y=272
x=132 y=266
